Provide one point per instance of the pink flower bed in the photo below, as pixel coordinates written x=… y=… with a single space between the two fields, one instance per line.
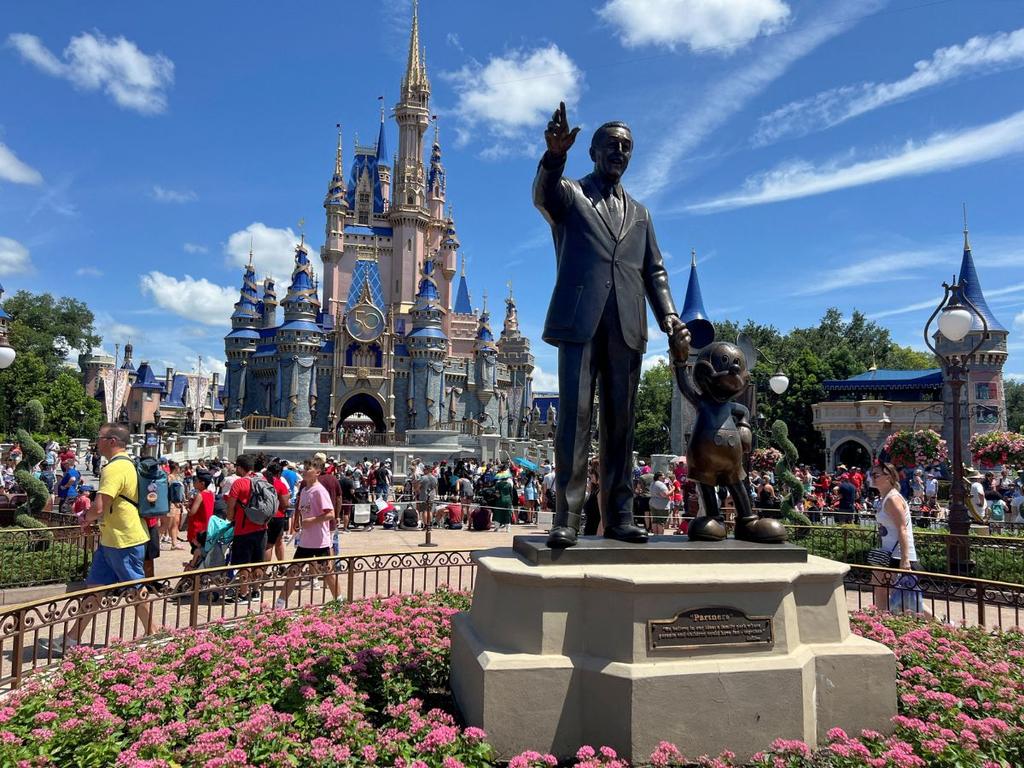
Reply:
x=365 y=684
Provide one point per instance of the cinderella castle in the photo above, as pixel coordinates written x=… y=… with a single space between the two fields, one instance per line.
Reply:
x=387 y=328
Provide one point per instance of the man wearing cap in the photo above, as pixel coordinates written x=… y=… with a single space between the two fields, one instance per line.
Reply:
x=979 y=504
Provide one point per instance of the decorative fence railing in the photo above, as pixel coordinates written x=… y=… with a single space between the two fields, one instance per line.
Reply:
x=28 y=631
x=33 y=556
x=997 y=558
x=254 y=422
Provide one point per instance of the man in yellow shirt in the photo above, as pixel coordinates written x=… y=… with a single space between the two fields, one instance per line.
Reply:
x=123 y=534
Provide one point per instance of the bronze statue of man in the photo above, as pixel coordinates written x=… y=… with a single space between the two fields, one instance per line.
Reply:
x=608 y=261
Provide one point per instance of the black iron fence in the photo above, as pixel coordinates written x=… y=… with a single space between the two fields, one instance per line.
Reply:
x=33 y=556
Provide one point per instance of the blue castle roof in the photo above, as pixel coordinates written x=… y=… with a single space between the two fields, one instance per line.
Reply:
x=972 y=290
x=365 y=273
x=462 y=302
x=146 y=379
x=883 y=378
x=382 y=145
x=2 y=313
x=693 y=304
x=368 y=163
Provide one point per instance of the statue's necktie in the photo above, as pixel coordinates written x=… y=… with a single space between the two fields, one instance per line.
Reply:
x=614 y=211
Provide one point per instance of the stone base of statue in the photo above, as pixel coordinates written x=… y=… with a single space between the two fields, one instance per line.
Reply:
x=711 y=646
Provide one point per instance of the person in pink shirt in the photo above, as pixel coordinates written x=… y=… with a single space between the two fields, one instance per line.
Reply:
x=314 y=513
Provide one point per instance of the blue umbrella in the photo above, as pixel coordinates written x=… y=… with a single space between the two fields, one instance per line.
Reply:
x=526 y=463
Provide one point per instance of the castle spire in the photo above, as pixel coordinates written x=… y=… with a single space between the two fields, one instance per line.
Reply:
x=414 y=67
x=693 y=313
x=463 y=305
x=339 y=165
x=971 y=287
x=382 y=144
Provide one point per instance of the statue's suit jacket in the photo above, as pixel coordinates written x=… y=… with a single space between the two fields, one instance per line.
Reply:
x=592 y=259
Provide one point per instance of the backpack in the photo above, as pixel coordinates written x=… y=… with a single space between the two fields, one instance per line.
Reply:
x=409 y=518
x=262 y=504
x=154 y=500
x=176 y=492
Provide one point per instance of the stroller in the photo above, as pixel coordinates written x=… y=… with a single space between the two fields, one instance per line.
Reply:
x=219 y=535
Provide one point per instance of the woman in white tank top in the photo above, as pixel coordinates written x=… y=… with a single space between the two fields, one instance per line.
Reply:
x=893 y=516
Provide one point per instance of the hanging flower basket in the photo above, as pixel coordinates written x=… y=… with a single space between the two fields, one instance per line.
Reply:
x=765 y=459
x=910 y=449
x=996 y=449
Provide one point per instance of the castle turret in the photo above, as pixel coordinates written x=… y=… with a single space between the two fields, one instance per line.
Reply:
x=702 y=333
x=436 y=180
x=268 y=305
x=336 y=208
x=383 y=164
x=241 y=342
x=984 y=408
x=514 y=353
x=299 y=340
x=409 y=216
x=486 y=353
x=428 y=347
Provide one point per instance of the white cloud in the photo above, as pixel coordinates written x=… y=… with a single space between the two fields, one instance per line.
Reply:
x=979 y=55
x=14 y=170
x=941 y=152
x=544 y=381
x=1018 y=320
x=452 y=38
x=933 y=302
x=872 y=270
x=164 y=195
x=195 y=248
x=196 y=300
x=652 y=361
x=514 y=92
x=722 y=26
x=115 y=332
x=133 y=79
x=728 y=95
x=89 y=272
x=13 y=257
x=273 y=250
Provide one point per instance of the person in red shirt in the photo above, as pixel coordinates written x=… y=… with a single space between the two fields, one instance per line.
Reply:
x=200 y=511
x=279 y=522
x=250 y=541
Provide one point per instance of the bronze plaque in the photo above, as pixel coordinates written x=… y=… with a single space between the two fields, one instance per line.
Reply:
x=718 y=626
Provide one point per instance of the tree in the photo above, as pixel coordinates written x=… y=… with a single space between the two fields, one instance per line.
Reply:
x=1014 y=392
x=34 y=416
x=24 y=380
x=654 y=410
x=50 y=328
x=64 y=401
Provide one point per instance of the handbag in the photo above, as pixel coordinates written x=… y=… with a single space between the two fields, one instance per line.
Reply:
x=880 y=557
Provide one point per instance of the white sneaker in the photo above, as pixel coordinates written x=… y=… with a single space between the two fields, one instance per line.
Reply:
x=279 y=604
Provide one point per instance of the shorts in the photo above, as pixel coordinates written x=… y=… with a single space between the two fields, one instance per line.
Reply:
x=304 y=553
x=248 y=548
x=153 y=546
x=275 y=529
x=111 y=565
x=658 y=516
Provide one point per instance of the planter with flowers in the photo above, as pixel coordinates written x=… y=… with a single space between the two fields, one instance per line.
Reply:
x=765 y=459
x=997 y=449
x=924 y=447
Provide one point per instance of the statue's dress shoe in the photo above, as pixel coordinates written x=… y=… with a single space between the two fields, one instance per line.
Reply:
x=561 y=537
x=633 y=534
x=706 y=528
x=763 y=530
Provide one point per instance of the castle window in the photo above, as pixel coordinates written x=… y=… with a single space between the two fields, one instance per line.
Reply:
x=985 y=391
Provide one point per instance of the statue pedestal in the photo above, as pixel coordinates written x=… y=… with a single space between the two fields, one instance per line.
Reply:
x=710 y=646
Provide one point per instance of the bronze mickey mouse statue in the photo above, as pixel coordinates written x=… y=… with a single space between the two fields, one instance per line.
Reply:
x=721 y=437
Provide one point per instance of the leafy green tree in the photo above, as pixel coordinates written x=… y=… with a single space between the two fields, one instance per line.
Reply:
x=31 y=454
x=65 y=401
x=34 y=416
x=50 y=328
x=24 y=380
x=1014 y=392
x=654 y=410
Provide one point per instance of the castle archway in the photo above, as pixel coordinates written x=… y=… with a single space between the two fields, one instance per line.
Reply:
x=366 y=404
x=853 y=453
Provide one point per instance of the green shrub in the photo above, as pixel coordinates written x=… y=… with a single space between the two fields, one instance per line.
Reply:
x=31 y=452
x=34 y=415
x=36 y=491
x=27 y=561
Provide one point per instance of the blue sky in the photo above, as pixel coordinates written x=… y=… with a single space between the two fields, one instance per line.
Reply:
x=815 y=154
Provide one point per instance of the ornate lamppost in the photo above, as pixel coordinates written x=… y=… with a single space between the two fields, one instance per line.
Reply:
x=956 y=314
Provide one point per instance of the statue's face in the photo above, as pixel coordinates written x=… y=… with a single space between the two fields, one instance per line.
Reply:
x=721 y=371
x=611 y=150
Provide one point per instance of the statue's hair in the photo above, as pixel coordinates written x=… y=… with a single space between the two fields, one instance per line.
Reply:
x=607 y=126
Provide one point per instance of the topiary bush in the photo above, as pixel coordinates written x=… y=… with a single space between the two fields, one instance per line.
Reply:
x=34 y=416
x=39 y=538
x=31 y=454
x=790 y=484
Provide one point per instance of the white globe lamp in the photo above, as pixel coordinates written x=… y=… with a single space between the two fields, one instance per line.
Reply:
x=954 y=323
x=779 y=382
x=6 y=356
